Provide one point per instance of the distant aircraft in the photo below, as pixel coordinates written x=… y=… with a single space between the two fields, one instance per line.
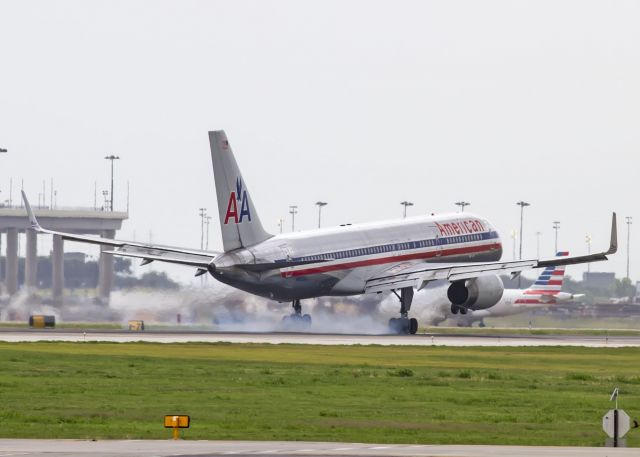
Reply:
x=545 y=291
x=399 y=255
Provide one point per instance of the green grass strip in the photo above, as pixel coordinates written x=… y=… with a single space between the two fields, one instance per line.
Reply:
x=433 y=395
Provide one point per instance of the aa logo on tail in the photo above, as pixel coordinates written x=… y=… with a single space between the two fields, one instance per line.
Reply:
x=239 y=196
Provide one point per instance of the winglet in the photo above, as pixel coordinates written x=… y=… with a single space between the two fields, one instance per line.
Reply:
x=32 y=217
x=613 y=245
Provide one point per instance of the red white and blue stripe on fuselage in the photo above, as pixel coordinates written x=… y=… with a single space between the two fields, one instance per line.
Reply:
x=439 y=247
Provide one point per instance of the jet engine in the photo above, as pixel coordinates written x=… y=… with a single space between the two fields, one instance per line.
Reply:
x=477 y=293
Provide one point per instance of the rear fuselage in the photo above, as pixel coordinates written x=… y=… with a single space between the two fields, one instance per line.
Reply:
x=338 y=261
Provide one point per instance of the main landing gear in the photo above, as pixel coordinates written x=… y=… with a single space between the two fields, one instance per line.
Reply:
x=404 y=325
x=297 y=319
x=455 y=309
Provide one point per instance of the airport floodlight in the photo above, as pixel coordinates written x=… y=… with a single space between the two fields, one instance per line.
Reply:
x=293 y=210
x=629 y=222
x=112 y=158
x=320 y=205
x=462 y=204
x=556 y=227
x=588 y=241
x=203 y=215
x=522 y=205
x=405 y=204
x=207 y=222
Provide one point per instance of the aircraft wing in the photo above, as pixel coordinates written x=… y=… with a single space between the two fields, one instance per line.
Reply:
x=418 y=274
x=147 y=252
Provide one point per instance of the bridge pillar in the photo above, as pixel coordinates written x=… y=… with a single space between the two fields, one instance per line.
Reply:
x=105 y=270
x=57 y=270
x=31 y=260
x=11 y=273
x=1 y=267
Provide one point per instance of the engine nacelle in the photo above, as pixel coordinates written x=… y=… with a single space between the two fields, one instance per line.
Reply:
x=477 y=293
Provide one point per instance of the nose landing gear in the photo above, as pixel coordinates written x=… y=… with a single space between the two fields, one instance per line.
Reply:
x=404 y=324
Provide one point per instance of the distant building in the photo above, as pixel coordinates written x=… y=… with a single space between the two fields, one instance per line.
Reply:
x=79 y=256
x=599 y=280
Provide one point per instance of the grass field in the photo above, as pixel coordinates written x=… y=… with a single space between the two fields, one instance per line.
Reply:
x=543 y=396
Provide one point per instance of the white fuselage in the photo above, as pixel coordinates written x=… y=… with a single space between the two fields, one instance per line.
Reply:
x=338 y=261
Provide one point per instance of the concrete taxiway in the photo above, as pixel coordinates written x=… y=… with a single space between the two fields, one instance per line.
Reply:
x=12 y=335
x=148 y=448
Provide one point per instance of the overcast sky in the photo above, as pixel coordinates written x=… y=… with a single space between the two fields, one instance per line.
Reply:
x=361 y=104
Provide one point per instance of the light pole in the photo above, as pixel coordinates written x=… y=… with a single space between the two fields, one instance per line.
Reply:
x=405 y=204
x=280 y=222
x=293 y=210
x=628 y=239
x=207 y=244
x=556 y=227
x=203 y=215
x=514 y=235
x=521 y=204
x=320 y=205
x=112 y=158
x=462 y=204
x=2 y=150
x=588 y=240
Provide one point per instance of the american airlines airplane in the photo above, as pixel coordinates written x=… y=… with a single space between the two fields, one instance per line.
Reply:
x=544 y=292
x=398 y=255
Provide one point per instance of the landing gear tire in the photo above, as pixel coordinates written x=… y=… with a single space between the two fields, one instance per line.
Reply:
x=463 y=310
x=403 y=326
x=454 y=309
x=296 y=320
x=413 y=326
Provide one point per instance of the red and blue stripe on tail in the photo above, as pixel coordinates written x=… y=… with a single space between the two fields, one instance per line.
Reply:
x=550 y=280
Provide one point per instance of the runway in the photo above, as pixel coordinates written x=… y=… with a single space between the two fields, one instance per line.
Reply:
x=13 y=335
x=149 y=448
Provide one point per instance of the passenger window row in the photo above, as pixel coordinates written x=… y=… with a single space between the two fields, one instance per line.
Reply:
x=395 y=247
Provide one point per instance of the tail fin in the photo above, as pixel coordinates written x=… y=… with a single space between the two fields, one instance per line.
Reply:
x=239 y=221
x=550 y=280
